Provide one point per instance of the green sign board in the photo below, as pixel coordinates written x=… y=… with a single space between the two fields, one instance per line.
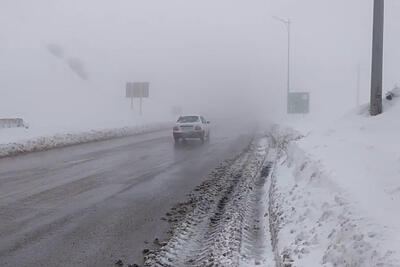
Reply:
x=298 y=103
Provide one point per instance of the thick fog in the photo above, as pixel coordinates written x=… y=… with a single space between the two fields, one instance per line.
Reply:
x=68 y=60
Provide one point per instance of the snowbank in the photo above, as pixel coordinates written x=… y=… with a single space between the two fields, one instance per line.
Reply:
x=19 y=140
x=338 y=191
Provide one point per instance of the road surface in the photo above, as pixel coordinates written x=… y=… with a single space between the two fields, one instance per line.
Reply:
x=93 y=204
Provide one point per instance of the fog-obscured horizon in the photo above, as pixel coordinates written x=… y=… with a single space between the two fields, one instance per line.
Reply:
x=71 y=59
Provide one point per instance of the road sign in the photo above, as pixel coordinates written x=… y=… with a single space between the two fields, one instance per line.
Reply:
x=298 y=103
x=137 y=90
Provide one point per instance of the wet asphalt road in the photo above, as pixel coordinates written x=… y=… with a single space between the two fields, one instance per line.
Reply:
x=93 y=204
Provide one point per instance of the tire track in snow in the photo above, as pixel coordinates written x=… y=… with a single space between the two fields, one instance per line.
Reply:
x=222 y=223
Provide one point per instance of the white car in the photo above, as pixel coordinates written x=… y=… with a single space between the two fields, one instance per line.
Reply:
x=191 y=126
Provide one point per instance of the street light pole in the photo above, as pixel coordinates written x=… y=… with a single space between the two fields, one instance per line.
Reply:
x=288 y=59
x=287 y=23
x=377 y=59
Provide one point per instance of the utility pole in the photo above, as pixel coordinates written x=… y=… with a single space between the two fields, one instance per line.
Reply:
x=288 y=58
x=377 y=59
x=287 y=22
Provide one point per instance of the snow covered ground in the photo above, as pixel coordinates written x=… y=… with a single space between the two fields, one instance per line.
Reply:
x=338 y=191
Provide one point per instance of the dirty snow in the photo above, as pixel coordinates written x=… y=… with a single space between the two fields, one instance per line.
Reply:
x=224 y=221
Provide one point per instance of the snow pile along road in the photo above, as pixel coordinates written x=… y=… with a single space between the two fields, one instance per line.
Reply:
x=224 y=222
x=46 y=142
x=335 y=193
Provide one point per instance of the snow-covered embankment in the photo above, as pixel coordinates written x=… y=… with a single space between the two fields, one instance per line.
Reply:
x=335 y=193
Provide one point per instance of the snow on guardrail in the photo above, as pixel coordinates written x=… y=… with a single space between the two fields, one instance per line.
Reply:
x=67 y=139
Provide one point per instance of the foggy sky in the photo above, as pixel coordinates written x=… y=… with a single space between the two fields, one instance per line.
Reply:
x=210 y=56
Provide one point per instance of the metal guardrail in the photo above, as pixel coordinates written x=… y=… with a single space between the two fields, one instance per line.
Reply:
x=11 y=123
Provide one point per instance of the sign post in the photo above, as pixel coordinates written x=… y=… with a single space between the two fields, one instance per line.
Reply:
x=137 y=90
x=377 y=58
x=141 y=100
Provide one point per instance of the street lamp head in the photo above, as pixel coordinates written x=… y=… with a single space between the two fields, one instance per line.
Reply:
x=285 y=21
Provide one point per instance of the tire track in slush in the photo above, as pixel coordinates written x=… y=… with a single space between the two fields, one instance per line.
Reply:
x=220 y=224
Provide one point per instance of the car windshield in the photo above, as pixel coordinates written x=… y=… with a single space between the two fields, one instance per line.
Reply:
x=187 y=119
